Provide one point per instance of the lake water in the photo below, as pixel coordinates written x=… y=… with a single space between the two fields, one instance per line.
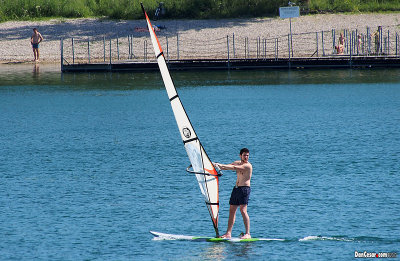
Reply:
x=91 y=162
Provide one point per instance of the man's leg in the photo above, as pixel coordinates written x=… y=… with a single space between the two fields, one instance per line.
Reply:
x=246 y=220
x=34 y=53
x=37 y=55
x=231 y=221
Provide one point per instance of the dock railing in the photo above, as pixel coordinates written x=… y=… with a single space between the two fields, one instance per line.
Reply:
x=131 y=48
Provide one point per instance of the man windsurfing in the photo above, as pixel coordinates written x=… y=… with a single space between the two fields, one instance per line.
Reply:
x=240 y=193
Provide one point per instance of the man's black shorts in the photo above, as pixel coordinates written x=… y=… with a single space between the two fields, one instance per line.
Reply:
x=240 y=195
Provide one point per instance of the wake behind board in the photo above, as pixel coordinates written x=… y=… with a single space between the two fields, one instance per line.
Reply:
x=164 y=236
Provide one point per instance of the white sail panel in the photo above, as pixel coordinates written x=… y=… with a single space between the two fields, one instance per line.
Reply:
x=185 y=127
x=212 y=183
x=208 y=184
x=169 y=85
x=206 y=173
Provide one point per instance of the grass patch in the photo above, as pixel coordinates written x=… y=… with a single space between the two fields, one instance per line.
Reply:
x=193 y=9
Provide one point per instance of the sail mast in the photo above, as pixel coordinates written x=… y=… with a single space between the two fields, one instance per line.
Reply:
x=203 y=169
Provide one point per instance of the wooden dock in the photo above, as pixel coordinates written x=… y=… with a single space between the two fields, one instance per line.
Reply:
x=235 y=52
x=327 y=62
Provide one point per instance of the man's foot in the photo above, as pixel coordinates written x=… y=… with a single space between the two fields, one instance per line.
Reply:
x=245 y=236
x=227 y=236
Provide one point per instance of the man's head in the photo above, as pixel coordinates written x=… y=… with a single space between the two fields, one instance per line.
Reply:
x=34 y=30
x=244 y=155
x=244 y=150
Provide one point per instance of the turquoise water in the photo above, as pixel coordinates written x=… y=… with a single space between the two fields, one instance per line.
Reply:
x=90 y=163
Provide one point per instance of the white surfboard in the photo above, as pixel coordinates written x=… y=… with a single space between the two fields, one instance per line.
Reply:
x=164 y=236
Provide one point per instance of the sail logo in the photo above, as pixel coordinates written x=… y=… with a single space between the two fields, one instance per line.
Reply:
x=186 y=132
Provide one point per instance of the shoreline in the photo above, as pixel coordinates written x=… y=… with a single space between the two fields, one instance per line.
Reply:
x=15 y=35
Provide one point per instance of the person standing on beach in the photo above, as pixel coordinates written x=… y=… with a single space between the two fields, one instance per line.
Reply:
x=36 y=38
x=240 y=193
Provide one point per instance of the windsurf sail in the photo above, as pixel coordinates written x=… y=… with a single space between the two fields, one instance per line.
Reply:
x=206 y=174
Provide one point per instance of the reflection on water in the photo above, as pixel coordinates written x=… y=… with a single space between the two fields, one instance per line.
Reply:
x=11 y=75
x=243 y=250
x=228 y=250
x=36 y=70
x=214 y=252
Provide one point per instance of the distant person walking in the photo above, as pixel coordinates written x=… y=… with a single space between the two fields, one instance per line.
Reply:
x=36 y=38
x=377 y=36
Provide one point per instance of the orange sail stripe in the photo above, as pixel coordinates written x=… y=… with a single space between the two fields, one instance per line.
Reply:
x=148 y=21
x=211 y=171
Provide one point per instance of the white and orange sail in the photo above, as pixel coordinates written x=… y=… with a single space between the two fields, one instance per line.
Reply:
x=205 y=172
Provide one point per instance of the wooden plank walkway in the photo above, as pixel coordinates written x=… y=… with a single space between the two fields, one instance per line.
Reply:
x=326 y=62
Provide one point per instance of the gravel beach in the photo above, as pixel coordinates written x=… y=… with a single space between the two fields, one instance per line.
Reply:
x=15 y=36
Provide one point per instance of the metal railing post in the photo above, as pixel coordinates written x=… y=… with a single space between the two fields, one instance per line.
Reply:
x=118 y=47
x=227 y=46
x=356 y=47
x=166 y=37
x=248 y=47
x=368 y=42
x=380 y=40
x=129 y=47
x=73 y=51
x=110 y=52
x=177 y=45
x=291 y=35
x=351 y=51
x=62 y=53
x=104 y=48
x=145 y=51
x=265 y=47
x=88 y=44
x=245 y=48
x=233 y=43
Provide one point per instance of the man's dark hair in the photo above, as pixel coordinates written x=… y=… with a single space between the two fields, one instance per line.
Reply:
x=244 y=150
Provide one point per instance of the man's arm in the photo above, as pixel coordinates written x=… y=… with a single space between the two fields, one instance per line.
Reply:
x=233 y=166
x=226 y=166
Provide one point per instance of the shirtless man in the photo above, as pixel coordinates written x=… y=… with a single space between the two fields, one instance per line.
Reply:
x=36 y=38
x=240 y=193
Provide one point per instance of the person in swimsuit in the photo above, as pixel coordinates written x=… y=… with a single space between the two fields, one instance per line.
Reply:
x=340 y=47
x=36 y=38
x=240 y=193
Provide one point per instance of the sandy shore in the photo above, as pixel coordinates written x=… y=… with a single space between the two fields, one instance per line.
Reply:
x=15 y=36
